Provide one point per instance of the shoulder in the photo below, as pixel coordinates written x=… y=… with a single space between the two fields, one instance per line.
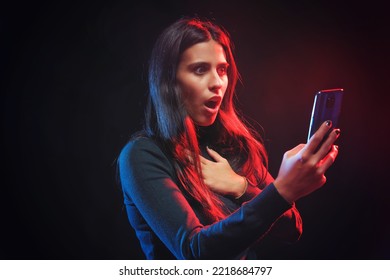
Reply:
x=140 y=151
x=138 y=144
x=142 y=160
x=138 y=147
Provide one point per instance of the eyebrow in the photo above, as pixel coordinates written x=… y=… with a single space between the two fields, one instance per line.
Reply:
x=202 y=63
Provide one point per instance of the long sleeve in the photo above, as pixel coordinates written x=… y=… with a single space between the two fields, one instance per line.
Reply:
x=288 y=227
x=147 y=179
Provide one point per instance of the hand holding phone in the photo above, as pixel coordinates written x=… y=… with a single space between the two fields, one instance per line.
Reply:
x=297 y=175
x=327 y=106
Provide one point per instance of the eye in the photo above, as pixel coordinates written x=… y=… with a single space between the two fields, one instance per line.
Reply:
x=200 y=69
x=222 y=70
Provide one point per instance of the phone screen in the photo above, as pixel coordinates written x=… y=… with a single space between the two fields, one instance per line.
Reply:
x=327 y=106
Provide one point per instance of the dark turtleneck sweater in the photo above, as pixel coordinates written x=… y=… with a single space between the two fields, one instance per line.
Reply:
x=169 y=226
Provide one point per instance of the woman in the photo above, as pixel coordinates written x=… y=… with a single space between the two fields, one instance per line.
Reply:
x=195 y=181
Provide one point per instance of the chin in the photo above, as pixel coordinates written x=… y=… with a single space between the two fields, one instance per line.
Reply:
x=207 y=122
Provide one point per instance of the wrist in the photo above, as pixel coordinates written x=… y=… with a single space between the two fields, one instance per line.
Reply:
x=243 y=189
x=284 y=191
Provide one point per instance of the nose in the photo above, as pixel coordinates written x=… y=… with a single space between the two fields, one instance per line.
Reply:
x=216 y=82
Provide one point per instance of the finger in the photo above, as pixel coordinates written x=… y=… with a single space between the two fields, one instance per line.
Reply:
x=327 y=145
x=295 y=151
x=317 y=137
x=217 y=157
x=329 y=159
x=204 y=160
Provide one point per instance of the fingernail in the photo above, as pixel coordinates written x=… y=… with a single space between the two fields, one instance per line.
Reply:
x=337 y=131
x=328 y=123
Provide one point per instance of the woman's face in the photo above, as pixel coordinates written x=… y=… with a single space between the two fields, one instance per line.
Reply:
x=202 y=78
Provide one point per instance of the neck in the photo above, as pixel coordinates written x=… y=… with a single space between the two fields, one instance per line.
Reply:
x=207 y=135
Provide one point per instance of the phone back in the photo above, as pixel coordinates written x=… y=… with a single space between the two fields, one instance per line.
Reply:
x=327 y=106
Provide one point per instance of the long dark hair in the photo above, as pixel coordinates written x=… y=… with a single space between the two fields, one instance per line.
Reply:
x=166 y=119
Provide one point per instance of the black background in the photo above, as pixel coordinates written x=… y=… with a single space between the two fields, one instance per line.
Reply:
x=73 y=84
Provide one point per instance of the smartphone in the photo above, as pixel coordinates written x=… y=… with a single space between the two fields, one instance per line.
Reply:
x=327 y=106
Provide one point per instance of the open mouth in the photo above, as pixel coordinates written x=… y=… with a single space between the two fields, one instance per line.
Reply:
x=212 y=104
